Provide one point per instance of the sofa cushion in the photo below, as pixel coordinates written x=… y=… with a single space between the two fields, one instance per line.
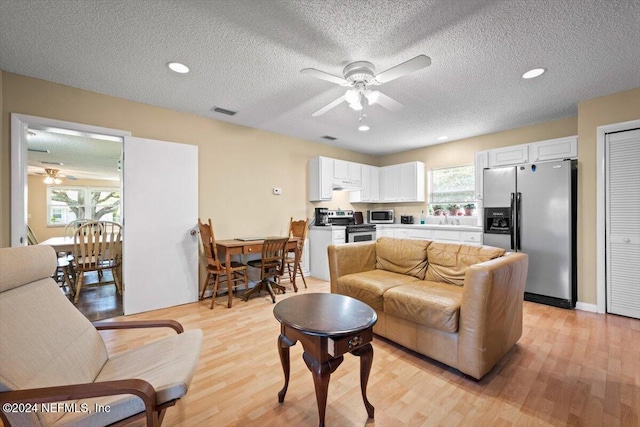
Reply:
x=432 y=304
x=448 y=262
x=369 y=286
x=404 y=256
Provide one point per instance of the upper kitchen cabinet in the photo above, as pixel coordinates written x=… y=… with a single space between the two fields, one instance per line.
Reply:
x=508 y=156
x=320 y=179
x=402 y=183
x=370 y=192
x=554 y=149
x=346 y=174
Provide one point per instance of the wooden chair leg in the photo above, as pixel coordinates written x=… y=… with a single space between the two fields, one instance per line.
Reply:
x=205 y=286
x=79 y=279
x=116 y=279
x=215 y=291
x=302 y=275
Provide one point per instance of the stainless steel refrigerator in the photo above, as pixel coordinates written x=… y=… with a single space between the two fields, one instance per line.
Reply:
x=532 y=209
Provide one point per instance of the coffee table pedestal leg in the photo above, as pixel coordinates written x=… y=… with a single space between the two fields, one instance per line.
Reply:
x=283 y=349
x=366 y=360
x=321 y=374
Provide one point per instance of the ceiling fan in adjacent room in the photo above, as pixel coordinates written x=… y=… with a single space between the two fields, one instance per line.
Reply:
x=358 y=76
x=52 y=176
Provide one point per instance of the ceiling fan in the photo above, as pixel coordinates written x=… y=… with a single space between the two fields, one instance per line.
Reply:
x=52 y=176
x=359 y=76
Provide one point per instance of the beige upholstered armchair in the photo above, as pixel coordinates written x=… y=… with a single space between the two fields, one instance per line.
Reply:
x=50 y=353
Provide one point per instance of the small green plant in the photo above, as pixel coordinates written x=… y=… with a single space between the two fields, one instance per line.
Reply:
x=438 y=209
x=470 y=206
x=453 y=207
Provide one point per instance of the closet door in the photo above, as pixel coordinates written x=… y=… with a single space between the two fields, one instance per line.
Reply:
x=622 y=151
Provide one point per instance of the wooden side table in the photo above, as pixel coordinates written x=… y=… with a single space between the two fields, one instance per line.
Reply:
x=328 y=326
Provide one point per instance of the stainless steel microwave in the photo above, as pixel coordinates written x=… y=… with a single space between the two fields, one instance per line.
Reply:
x=380 y=216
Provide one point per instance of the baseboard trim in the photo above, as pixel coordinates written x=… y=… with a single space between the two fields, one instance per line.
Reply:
x=593 y=308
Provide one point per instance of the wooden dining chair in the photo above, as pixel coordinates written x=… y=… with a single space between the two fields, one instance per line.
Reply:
x=271 y=267
x=216 y=270
x=72 y=226
x=296 y=229
x=97 y=246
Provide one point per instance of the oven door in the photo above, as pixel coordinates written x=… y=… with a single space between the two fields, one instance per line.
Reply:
x=361 y=236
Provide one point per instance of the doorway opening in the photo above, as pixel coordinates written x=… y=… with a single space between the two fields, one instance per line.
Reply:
x=71 y=174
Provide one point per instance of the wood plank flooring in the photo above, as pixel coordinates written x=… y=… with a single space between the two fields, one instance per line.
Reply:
x=569 y=368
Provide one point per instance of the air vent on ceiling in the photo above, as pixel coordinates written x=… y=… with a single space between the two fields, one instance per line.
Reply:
x=38 y=150
x=224 y=111
x=330 y=138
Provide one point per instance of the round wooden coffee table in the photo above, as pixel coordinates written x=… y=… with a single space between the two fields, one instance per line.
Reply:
x=328 y=326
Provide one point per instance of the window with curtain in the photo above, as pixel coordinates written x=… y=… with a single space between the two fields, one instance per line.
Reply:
x=452 y=186
x=66 y=204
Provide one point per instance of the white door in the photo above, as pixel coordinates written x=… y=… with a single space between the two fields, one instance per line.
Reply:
x=160 y=246
x=622 y=154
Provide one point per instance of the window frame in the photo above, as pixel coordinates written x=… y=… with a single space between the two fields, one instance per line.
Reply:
x=88 y=190
x=470 y=190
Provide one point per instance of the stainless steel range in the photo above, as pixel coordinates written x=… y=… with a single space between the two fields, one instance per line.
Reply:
x=354 y=232
x=361 y=233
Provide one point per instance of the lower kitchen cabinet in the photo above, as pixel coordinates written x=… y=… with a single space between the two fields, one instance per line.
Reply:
x=319 y=240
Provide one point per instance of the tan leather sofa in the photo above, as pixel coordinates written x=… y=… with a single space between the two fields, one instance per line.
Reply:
x=458 y=304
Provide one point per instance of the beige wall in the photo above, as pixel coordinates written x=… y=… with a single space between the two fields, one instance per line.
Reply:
x=37 y=203
x=238 y=166
x=616 y=108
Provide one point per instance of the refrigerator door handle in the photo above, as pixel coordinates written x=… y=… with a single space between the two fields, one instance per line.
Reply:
x=518 y=204
x=513 y=213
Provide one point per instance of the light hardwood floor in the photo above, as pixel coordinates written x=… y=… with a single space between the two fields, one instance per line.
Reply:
x=569 y=368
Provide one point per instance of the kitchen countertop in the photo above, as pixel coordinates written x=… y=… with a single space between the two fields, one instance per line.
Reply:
x=435 y=227
x=416 y=226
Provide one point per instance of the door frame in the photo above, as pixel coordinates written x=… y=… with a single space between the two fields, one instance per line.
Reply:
x=601 y=216
x=19 y=163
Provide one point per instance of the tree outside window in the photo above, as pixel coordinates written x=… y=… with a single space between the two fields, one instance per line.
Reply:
x=452 y=188
x=66 y=204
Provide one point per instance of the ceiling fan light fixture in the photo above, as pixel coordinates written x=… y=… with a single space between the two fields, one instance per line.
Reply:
x=178 y=67
x=52 y=177
x=372 y=96
x=533 y=73
x=356 y=106
x=363 y=125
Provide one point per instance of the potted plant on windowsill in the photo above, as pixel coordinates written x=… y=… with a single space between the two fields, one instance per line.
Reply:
x=468 y=209
x=453 y=209
x=438 y=210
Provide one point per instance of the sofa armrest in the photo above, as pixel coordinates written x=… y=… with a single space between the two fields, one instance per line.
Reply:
x=351 y=258
x=491 y=312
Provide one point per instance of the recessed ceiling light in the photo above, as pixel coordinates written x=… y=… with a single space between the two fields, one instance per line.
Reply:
x=442 y=138
x=533 y=73
x=363 y=128
x=178 y=67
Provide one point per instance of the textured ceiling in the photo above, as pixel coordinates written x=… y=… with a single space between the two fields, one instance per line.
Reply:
x=74 y=156
x=246 y=55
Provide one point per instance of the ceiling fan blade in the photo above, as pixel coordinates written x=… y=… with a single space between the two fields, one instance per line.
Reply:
x=325 y=76
x=388 y=102
x=414 y=64
x=329 y=106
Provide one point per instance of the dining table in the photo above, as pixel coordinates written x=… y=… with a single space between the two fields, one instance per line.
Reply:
x=249 y=246
x=60 y=244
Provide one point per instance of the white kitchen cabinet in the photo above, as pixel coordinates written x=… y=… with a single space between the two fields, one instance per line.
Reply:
x=319 y=240
x=320 y=179
x=344 y=171
x=411 y=182
x=507 y=156
x=402 y=183
x=418 y=234
x=471 y=238
x=447 y=236
x=400 y=233
x=370 y=192
x=554 y=149
x=383 y=231
x=389 y=182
